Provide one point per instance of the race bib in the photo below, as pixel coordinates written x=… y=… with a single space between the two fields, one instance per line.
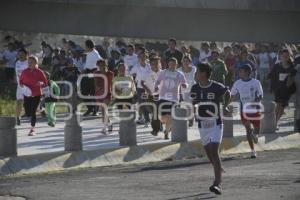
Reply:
x=208 y=124
x=282 y=76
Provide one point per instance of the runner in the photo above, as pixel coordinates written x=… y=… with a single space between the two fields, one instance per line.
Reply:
x=250 y=91
x=283 y=83
x=168 y=84
x=123 y=88
x=207 y=96
x=103 y=91
x=34 y=79
x=21 y=65
x=138 y=72
x=188 y=71
x=53 y=91
x=148 y=81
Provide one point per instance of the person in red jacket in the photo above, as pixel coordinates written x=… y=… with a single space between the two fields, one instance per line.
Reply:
x=35 y=80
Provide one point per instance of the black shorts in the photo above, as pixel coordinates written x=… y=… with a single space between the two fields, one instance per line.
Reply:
x=165 y=107
x=283 y=97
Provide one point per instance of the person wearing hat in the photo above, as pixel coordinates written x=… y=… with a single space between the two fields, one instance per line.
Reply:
x=242 y=60
x=207 y=96
x=219 y=70
x=250 y=95
x=114 y=61
x=51 y=93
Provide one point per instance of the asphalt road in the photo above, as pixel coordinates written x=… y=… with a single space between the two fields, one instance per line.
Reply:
x=273 y=175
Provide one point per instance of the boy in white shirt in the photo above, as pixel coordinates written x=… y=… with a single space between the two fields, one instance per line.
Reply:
x=147 y=82
x=130 y=59
x=250 y=94
x=21 y=64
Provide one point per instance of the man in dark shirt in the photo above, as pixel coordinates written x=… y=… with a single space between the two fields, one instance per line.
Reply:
x=207 y=95
x=172 y=51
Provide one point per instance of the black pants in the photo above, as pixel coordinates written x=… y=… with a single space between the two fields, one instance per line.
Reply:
x=155 y=121
x=88 y=89
x=30 y=106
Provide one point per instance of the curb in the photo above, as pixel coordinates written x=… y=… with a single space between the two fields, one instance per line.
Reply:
x=63 y=161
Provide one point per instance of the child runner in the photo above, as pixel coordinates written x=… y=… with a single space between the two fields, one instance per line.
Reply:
x=53 y=91
x=207 y=96
x=21 y=65
x=188 y=71
x=103 y=91
x=250 y=91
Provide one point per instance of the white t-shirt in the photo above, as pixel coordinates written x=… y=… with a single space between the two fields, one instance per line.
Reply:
x=20 y=66
x=91 y=59
x=264 y=60
x=149 y=80
x=140 y=72
x=170 y=82
x=248 y=91
x=204 y=56
x=130 y=61
x=190 y=78
x=11 y=57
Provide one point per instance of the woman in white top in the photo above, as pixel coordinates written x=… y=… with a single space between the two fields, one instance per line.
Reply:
x=188 y=71
x=168 y=84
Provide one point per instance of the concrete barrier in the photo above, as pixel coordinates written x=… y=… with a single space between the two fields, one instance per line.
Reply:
x=73 y=135
x=179 y=126
x=127 y=131
x=268 y=122
x=228 y=124
x=8 y=137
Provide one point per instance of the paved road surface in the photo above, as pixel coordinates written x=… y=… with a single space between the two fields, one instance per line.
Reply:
x=273 y=175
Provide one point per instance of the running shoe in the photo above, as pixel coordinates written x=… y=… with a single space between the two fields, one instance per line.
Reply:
x=110 y=128
x=31 y=132
x=18 y=121
x=253 y=154
x=216 y=189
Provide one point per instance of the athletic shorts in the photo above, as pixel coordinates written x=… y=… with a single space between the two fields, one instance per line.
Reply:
x=212 y=133
x=255 y=122
x=283 y=97
x=19 y=93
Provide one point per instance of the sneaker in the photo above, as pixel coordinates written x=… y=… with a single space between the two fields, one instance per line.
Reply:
x=18 y=121
x=146 y=125
x=166 y=135
x=103 y=131
x=95 y=113
x=253 y=154
x=110 y=128
x=87 y=113
x=51 y=124
x=31 y=132
x=140 y=121
x=216 y=189
x=154 y=133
